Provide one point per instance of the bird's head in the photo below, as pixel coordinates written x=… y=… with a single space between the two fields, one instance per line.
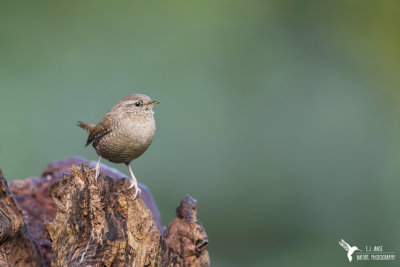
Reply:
x=358 y=249
x=137 y=104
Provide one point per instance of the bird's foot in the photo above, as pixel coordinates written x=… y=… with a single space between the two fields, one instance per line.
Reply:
x=97 y=174
x=98 y=169
x=133 y=182
x=137 y=189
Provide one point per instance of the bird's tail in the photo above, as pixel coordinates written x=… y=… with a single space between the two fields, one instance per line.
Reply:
x=87 y=127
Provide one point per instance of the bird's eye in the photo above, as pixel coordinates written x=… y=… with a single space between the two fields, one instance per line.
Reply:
x=137 y=104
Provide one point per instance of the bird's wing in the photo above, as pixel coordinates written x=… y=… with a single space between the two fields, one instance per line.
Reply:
x=344 y=244
x=100 y=130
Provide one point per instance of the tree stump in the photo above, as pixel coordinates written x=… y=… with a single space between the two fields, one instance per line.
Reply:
x=78 y=221
x=17 y=248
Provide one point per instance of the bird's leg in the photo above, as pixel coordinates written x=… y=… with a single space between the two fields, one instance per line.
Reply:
x=133 y=182
x=98 y=168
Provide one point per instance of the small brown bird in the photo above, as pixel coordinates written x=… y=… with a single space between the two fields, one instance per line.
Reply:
x=125 y=132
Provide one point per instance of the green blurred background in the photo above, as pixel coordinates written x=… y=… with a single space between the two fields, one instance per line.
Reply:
x=280 y=117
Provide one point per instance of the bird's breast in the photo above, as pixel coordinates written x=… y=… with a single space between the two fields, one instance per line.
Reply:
x=128 y=139
x=137 y=132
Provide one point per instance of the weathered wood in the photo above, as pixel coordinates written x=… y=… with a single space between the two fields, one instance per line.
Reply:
x=97 y=223
x=17 y=248
x=33 y=197
x=186 y=237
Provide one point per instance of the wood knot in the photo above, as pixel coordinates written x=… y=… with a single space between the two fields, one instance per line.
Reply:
x=187 y=209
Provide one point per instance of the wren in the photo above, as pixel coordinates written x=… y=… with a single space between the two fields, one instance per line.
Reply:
x=125 y=133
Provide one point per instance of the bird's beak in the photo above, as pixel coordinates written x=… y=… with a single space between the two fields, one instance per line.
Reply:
x=152 y=103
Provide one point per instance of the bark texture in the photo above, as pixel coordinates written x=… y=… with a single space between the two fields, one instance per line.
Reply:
x=186 y=237
x=78 y=221
x=17 y=247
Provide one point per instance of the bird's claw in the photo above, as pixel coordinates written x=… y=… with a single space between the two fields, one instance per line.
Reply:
x=137 y=192
x=137 y=189
x=133 y=182
x=132 y=185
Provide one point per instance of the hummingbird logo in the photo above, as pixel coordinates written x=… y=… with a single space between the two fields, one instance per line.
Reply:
x=350 y=250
